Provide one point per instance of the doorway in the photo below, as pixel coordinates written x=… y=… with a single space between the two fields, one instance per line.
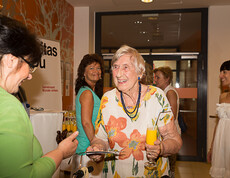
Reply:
x=186 y=81
x=184 y=50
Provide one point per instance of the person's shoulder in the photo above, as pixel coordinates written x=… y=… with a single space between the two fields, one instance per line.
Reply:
x=87 y=93
x=224 y=96
x=110 y=92
x=84 y=89
x=8 y=99
x=171 y=93
x=155 y=89
x=170 y=88
x=10 y=107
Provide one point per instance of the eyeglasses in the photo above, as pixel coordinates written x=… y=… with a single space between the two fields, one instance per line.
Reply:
x=32 y=66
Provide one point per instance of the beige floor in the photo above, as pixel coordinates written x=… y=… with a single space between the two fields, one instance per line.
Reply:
x=189 y=169
x=184 y=169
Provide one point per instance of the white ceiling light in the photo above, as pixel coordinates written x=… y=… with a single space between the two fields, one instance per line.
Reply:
x=146 y=1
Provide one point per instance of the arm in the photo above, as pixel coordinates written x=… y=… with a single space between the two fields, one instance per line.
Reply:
x=172 y=98
x=171 y=140
x=171 y=143
x=21 y=153
x=87 y=104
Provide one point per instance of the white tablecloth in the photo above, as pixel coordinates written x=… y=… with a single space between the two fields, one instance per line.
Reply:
x=45 y=126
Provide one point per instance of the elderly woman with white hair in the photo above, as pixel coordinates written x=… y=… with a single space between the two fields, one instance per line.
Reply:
x=124 y=114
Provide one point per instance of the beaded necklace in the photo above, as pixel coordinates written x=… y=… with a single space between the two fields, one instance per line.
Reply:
x=136 y=107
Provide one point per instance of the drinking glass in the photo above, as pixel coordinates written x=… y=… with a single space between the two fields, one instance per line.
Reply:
x=151 y=137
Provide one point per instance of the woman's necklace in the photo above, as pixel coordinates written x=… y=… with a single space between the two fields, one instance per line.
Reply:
x=130 y=114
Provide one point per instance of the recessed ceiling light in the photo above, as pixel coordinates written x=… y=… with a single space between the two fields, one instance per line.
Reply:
x=138 y=22
x=146 y=1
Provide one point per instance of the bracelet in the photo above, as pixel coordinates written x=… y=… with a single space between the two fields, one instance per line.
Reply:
x=161 y=150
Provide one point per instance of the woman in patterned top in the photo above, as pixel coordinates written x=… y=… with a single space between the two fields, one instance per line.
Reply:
x=123 y=117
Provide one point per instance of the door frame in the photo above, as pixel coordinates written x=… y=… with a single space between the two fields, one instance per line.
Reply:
x=201 y=74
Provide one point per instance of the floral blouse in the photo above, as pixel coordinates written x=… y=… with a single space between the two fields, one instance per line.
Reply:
x=128 y=135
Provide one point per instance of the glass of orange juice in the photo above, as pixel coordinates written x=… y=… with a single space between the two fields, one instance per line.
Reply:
x=151 y=137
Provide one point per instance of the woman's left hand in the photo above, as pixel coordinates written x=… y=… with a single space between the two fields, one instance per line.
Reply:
x=96 y=147
x=153 y=151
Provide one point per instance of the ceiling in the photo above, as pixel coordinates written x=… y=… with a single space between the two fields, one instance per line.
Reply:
x=151 y=30
x=133 y=5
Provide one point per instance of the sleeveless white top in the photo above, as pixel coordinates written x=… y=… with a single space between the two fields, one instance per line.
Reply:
x=168 y=88
x=221 y=145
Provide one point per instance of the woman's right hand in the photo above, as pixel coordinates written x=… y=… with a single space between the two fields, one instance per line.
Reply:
x=153 y=151
x=96 y=147
x=69 y=145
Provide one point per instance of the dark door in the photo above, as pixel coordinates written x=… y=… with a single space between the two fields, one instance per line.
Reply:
x=192 y=115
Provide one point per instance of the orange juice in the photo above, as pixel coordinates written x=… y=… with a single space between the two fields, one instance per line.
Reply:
x=63 y=126
x=68 y=126
x=151 y=136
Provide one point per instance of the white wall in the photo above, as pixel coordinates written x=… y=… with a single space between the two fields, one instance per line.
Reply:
x=218 y=52
x=81 y=38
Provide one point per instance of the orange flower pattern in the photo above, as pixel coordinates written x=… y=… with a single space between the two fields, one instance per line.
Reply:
x=150 y=92
x=113 y=129
x=128 y=136
x=135 y=145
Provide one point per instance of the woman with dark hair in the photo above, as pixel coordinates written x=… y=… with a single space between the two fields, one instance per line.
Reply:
x=80 y=81
x=219 y=153
x=21 y=153
x=89 y=89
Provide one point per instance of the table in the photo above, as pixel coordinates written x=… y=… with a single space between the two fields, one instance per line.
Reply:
x=45 y=125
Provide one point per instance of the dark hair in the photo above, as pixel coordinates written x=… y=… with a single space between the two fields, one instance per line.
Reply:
x=80 y=81
x=225 y=66
x=17 y=40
